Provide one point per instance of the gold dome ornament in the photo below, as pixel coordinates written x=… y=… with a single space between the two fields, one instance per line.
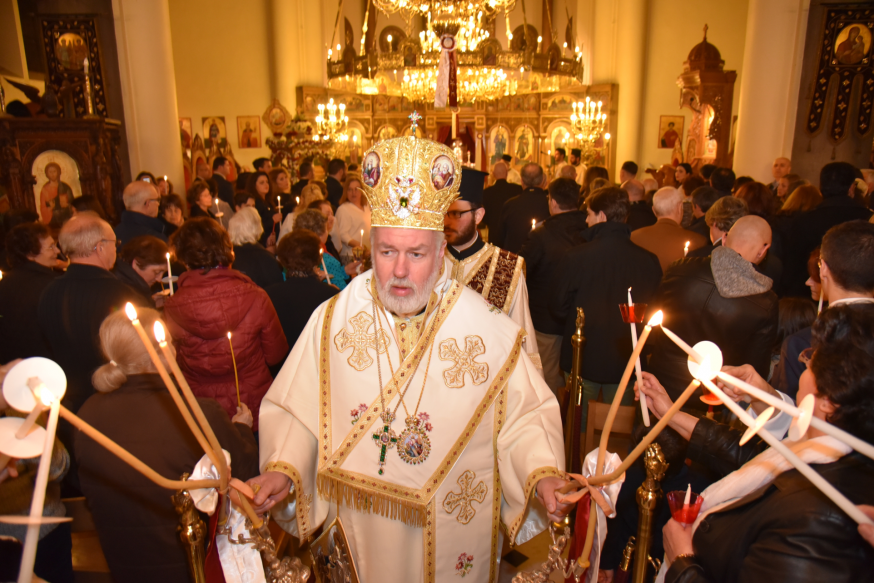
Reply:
x=410 y=182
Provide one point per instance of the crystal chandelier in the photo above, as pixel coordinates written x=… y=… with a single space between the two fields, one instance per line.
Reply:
x=474 y=83
x=589 y=124
x=332 y=127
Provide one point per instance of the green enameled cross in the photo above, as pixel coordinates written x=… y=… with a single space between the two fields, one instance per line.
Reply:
x=385 y=440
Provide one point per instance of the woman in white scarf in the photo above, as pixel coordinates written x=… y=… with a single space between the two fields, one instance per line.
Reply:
x=765 y=521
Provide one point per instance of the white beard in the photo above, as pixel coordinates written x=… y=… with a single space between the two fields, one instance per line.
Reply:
x=412 y=304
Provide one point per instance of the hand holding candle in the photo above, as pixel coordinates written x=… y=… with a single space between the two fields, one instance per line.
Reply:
x=218 y=213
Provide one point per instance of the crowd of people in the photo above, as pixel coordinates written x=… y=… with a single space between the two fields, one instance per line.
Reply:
x=780 y=276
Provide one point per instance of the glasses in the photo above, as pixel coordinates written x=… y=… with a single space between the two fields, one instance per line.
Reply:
x=455 y=215
x=158 y=200
x=116 y=241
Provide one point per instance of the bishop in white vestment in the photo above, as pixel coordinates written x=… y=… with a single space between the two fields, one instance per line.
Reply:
x=408 y=407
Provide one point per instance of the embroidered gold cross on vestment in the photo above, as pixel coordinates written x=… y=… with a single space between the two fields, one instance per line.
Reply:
x=466 y=498
x=361 y=341
x=464 y=361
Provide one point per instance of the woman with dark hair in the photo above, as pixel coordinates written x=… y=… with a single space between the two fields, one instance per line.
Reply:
x=135 y=519
x=280 y=187
x=759 y=198
x=200 y=200
x=592 y=172
x=211 y=301
x=353 y=219
x=764 y=521
x=258 y=186
x=301 y=293
x=141 y=263
x=171 y=213
x=32 y=255
x=146 y=177
x=794 y=314
x=683 y=172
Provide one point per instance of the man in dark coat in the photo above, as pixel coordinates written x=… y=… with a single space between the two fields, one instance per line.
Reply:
x=221 y=169
x=722 y=299
x=334 y=181
x=703 y=198
x=596 y=277
x=304 y=175
x=140 y=217
x=544 y=255
x=836 y=182
x=494 y=198
x=519 y=211
x=640 y=212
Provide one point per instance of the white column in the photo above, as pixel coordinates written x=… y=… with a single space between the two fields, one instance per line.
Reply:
x=770 y=81
x=148 y=86
x=299 y=50
x=631 y=41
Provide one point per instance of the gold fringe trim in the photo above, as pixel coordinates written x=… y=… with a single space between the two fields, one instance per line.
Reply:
x=369 y=502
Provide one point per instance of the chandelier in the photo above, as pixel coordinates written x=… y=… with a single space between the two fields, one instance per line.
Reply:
x=487 y=83
x=332 y=127
x=588 y=123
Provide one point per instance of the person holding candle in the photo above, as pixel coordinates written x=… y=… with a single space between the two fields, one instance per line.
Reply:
x=213 y=299
x=201 y=201
x=250 y=257
x=222 y=172
x=142 y=263
x=790 y=531
x=353 y=217
x=324 y=207
x=258 y=187
x=134 y=517
x=140 y=217
x=666 y=238
x=310 y=193
x=312 y=220
x=172 y=213
x=518 y=212
x=280 y=190
x=598 y=275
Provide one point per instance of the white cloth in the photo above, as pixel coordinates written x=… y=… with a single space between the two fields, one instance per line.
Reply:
x=611 y=494
x=350 y=221
x=240 y=563
x=502 y=434
x=513 y=176
x=760 y=471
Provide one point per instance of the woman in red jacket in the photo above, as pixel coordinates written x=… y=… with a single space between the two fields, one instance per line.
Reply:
x=211 y=301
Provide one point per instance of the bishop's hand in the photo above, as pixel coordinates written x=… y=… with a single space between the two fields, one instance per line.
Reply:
x=274 y=488
x=546 y=490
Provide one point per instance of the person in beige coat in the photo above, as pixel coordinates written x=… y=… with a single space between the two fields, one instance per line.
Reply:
x=666 y=238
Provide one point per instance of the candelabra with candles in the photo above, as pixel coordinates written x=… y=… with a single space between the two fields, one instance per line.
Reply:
x=332 y=126
x=590 y=125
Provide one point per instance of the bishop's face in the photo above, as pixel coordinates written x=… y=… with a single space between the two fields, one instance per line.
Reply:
x=406 y=264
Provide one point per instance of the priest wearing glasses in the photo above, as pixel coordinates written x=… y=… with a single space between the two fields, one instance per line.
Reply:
x=408 y=413
x=494 y=273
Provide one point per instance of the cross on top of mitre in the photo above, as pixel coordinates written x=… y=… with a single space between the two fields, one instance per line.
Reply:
x=414 y=118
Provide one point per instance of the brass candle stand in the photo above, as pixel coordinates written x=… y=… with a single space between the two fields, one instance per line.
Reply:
x=192 y=532
x=573 y=421
x=648 y=496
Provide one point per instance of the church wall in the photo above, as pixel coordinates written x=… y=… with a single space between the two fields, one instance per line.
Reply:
x=674 y=27
x=221 y=53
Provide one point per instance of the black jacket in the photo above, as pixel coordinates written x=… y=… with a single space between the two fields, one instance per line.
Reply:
x=805 y=235
x=266 y=212
x=135 y=224
x=20 y=290
x=640 y=215
x=596 y=277
x=544 y=258
x=295 y=301
x=134 y=517
x=785 y=531
x=494 y=198
x=225 y=189
x=745 y=328
x=335 y=191
x=70 y=313
x=699 y=226
x=125 y=273
x=258 y=263
x=516 y=217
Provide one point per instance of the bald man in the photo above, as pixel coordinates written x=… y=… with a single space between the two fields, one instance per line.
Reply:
x=640 y=213
x=494 y=198
x=666 y=238
x=721 y=298
x=782 y=166
x=140 y=214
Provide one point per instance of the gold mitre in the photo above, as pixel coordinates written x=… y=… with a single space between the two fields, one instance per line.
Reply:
x=410 y=182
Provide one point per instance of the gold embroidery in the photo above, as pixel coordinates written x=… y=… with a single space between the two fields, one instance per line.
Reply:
x=496 y=276
x=360 y=341
x=500 y=417
x=304 y=500
x=325 y=382
x=408 y=505
x=493 y=265
x=429 y=541
x=530 y=483
x=464 y=361
x=465 y=499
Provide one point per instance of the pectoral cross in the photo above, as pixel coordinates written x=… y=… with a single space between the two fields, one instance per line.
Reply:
x=385 y=439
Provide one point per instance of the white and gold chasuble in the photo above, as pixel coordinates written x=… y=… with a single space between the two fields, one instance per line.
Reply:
x=499 y=276
x=493 y=424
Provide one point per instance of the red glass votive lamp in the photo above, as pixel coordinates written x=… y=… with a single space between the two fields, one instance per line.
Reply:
x=683 y=514
x=633 y=313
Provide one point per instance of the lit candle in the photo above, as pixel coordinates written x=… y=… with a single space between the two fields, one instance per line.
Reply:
x=815 y=478
x=169 y=274
x=362 y=237
x=686 y=348
x=218 y=213
x=165 y=178
x=325 y=269
x=297 y=200
x=688 y=497
x=819 y=307
x=279 y=203
x=533 y=223
x=644 y=411
x=28 y=554
x=686 y=249
x=234 y=361
x=539 y=40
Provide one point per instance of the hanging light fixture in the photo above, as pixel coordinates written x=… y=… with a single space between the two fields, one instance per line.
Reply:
x=330 y=128
x=589 y=125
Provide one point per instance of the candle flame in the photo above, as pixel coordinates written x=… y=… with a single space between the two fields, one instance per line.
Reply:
x=44 y=395
x=321 y=252
x=297 y=200
x=130 y=311
x=656 y=320
x=687 y=246
x=216 y=202
x=167 y=255
x=229 y=335
x=629 y=289
x=160 y=336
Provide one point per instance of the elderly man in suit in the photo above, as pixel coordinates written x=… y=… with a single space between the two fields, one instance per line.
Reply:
x=666 y=238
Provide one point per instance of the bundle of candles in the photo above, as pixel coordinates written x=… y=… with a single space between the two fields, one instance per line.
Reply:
x=38 y=383
x=705 y=364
